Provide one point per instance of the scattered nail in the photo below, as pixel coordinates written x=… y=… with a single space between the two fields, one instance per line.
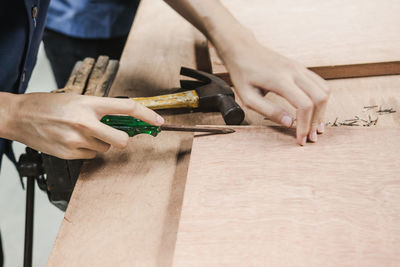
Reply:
x=286 y=121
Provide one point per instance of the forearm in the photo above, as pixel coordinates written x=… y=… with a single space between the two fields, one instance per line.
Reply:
x=216 y=23
x=8 y=102
x=256 y=70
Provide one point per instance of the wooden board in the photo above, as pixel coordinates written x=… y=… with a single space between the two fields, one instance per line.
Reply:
x=125 y=207
x=324 y=33
x=338 y=71
x=254 y=199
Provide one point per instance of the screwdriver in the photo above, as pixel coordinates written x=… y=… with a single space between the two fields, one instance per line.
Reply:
x=133 y=126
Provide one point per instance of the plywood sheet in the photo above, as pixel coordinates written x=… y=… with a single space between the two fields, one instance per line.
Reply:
x=322 y=33
x=125 y=207
x=254 y=199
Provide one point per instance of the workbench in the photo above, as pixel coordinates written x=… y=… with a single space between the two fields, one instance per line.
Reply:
x=126 y=206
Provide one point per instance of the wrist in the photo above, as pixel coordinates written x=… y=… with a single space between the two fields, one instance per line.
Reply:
x=235 y=43
x=9 y=103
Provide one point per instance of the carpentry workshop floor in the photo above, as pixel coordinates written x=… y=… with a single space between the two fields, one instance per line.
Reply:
x=12 y=197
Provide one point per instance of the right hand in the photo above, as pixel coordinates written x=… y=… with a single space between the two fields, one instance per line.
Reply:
x=68 y=126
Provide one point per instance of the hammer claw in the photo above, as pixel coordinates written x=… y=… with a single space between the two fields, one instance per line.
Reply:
x=214 y=95
x=196 y=74
x=190 y=85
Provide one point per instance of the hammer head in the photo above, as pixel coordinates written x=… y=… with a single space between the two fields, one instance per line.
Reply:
x=214 y=95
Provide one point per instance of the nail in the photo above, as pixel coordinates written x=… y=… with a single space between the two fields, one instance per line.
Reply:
x=321 y=128
x=313 y=136
x=160 y=120
x=303 y=141
x=286 y=121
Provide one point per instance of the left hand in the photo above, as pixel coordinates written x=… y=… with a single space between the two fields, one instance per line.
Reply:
x=256 y=70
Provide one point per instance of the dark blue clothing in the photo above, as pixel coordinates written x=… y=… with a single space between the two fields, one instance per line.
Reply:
x=93 y=19
x=21 y=29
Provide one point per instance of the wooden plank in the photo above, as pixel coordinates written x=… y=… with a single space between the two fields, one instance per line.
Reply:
x=357 y=70
x=344 y=71
x=325 y=33
x=335 y=203
x=126 y=204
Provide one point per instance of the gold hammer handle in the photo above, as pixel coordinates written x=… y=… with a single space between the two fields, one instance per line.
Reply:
x=188 y=99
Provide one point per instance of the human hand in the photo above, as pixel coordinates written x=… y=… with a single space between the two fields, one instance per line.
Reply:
x=68 y=126
x=256 y=70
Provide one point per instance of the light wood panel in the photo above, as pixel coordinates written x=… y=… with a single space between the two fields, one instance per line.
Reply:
x=337 y=71
x=126 y=205
x=322 y=33
x=125 y=208
x=252 y=198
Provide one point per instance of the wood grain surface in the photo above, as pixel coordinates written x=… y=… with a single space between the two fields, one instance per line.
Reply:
x=335 y=203
x=125 y=208
x=348 y=99
x=343 y=71
x=322 y=33
x=126 y=205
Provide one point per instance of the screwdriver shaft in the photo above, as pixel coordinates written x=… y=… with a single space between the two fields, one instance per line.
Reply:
x=197 y=129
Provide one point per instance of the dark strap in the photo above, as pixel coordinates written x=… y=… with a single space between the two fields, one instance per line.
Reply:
x=8 y=150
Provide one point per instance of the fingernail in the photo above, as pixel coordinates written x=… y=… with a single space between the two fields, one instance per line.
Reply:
x=313 y=136
x=303 y=141
x=321 y=127
x=286 y=121
x=160 y=120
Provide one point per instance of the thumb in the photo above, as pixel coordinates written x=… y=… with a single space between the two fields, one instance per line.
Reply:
x=108 y=106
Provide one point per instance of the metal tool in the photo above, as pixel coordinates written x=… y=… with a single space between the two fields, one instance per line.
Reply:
x=207 y=93
x=133 y=126
x=30 y=166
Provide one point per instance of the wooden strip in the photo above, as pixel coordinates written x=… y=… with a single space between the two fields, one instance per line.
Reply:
x=358 y=70
x=335 y=203
x=345 y=71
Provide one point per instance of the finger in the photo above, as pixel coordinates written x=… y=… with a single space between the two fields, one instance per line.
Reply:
x=109 y=135
x=319 y=98
x=107 y=106
x=322 y=83
x=255 y=101
x=304 y=108
x=97 y=145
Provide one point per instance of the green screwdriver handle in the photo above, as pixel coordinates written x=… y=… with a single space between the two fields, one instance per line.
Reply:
x=130 y=125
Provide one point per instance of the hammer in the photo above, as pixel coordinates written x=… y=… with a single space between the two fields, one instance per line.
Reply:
x=207 y=92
